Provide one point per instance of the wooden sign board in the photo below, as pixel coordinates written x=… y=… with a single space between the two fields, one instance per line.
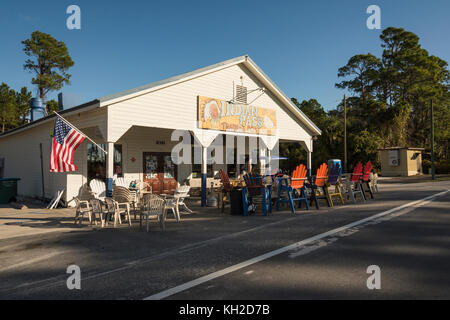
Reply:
x=221 y=115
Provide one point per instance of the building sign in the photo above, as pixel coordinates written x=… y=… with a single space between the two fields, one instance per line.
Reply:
x=394 y=158
x=221 y=115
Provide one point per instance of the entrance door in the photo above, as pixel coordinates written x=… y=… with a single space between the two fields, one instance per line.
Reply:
x=160 y=172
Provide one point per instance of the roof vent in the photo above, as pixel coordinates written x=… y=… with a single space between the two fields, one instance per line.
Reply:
x=241 y=94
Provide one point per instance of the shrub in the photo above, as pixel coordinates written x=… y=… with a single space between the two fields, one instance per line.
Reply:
x=443 y=166
x=426 y=165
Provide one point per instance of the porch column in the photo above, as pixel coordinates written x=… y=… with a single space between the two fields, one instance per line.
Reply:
x=204 y=172
x=263 y=161
x=269 y=162
x=109 y=169
x=308 y=157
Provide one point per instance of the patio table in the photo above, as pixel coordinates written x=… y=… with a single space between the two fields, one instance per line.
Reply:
x=236 y=182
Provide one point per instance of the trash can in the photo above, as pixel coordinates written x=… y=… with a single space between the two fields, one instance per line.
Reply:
x=236 y=202
x=333 y=162
x=8 y=190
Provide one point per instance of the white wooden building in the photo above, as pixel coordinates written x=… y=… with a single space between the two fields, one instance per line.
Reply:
x=138 y=124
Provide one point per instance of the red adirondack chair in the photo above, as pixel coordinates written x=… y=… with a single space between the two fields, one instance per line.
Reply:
x=365 y=179
x=295 y=191
x=226 y=188
x=319 y=184
x=353 y=185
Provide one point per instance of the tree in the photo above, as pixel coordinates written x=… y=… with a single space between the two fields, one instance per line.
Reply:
x=391 y=102
x=328 y=144
x=392 y=93
x=23 y=98
x=8 y=112
x=365 y=69
x=49 y=61
x=52 y=105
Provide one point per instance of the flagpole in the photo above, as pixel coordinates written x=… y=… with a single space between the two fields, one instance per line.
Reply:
x=76 y=129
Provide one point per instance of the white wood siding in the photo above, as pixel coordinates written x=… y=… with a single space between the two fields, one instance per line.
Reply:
x=22 y=156
x=94 y=124
x=138 y=140
x=22 y=160
x=175 y=107
x=135 y=123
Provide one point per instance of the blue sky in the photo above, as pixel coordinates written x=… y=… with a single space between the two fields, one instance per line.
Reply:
x=299 y=44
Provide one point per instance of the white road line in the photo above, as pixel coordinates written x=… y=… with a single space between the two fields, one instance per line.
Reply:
x=61 y=280
x=217 y=274
x=31 y=261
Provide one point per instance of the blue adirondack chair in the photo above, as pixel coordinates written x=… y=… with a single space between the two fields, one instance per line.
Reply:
x=294 y=188
x=254 y=187
x=333 y=181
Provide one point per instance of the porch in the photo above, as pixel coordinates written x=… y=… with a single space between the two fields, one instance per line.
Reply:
x=162 y=158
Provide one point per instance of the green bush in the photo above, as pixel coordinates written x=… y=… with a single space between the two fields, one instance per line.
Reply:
x=443 y=166
x=426 y=165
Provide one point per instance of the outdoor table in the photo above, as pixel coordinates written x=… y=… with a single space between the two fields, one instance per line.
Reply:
x=236 y=182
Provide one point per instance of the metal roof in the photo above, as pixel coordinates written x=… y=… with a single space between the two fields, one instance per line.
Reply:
x=50 y=116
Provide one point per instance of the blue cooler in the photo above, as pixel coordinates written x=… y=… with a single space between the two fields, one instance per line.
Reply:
x=332 y=162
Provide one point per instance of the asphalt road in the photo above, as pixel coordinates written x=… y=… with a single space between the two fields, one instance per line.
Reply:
x=313 y=255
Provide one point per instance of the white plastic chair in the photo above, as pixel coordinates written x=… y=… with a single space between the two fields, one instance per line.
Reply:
x=373 y=177
x=98 y=189
x=125 y=197
x=174 y=202
x=83 y=207
x=113 y=208
x=121 y=182
x=154 y=206
x=351 y=189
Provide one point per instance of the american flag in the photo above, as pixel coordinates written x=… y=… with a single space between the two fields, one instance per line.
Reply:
x=65 y=141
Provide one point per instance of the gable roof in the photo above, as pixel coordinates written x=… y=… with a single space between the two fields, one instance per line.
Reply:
x=245 y=60
x=131 y=93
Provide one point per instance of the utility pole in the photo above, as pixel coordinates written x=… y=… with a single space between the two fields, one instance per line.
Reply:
x=345 y=136
x=432 y=139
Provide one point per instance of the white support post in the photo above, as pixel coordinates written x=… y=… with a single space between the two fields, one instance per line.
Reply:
x=252 y=152
x=109 y=168
x=204 y=174
x=309 y=162
x=263 y=161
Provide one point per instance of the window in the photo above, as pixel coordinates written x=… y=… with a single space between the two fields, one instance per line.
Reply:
x=118 y=160
x=231 y=167
x=2 y=167
x=244 y=166
x=96 y=161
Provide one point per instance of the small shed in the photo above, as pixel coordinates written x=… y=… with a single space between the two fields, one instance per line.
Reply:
x=401 y=161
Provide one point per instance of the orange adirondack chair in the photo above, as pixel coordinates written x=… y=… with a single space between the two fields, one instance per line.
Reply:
x=295 y=190
x=318 y=185
x=226 y=188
